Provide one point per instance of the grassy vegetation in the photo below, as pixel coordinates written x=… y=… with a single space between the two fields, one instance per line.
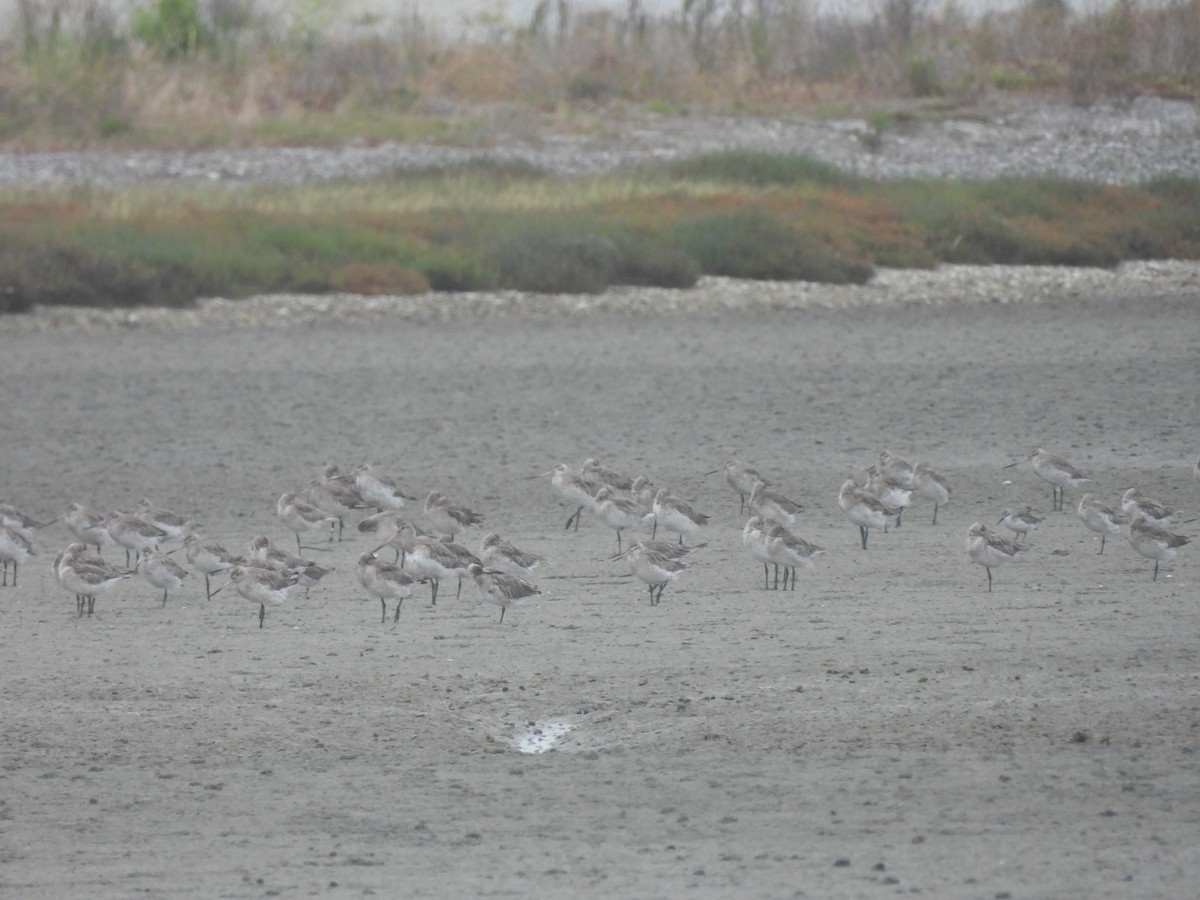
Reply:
x=193 y=73
x=487 y=227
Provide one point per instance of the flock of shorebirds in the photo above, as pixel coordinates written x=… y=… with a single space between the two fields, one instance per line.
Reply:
x=426 y=552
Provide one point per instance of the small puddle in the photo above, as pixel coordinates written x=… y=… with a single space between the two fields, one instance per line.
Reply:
x=541 y=736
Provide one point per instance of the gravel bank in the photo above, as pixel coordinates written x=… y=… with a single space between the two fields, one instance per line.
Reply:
x=1125 y=143
x=957 y=285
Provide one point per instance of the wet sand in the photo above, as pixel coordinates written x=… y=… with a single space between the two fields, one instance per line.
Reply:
x=888 y=728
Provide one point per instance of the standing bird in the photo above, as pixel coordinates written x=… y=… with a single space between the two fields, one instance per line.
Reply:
x=497 y=553
x=447 y=516
x=386 y=525
x=593 y=471
x=384 y=580
x=172 y=523
x=378 y=490
x=577 y=490
x=643 y=491
x=1021 y=521
x=300 y=515
x=893 y=466
x=1100 y=518
x=890 y=491
x=989 y=549
x=741 y=478
x=931 y=486
x=655 y=569
x=789 y=550
x=501 y=588
x=1154 y=542
x=619 y=513
x=161 y=571
x=15 y=548
x=208 y=557
x=773 y=505
x=85 y=575
x=1134 y=503
x=676 y=515
x=307 y=572
x=756 y=542
x=18 y=521
x=432 y=559
x=864 y=509
x=259 y=585
x=87 y=525
x=134 y=533
x=1054 y=469
x=336 y=491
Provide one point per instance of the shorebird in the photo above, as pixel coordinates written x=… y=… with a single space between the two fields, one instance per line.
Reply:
x=497 y=553
x=893 y=466
x=1134 y=504
x=134 y=533
x=384 y=580
x=741 y=478
x=772 y=505
x=789 y=550
x=336 y=491
x=754 y=539
x=307 y=572
x=300 y=515
x=386 y=525
x=161 y=571
x=593 y=471
x=890 y=491
x=260 y=585
x=432 y=559
x=378 y=490
x=13 y=518
x=643 y=491
x=655 y=569
x=574 y=488
x=501 y=588
x=676 y=515
x=989 y=549
x=87 y=525
x=1054 y=469
x=619 y=513
x=1021 y=521
x=1102 y=519
x=172 y=523
x=86 y=575
x=208 y=557
x=447 y=516
x=15 y=548
x=863 y=508
x=932 y=486
x=1154 y=542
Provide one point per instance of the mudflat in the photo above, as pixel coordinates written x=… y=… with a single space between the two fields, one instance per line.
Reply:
x=888 y=728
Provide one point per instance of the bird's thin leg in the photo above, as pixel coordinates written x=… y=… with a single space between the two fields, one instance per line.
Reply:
x=862 y=534
x=398 y=602
x=207 y=588
x=618 y=542
x=458 y=595
x=935 y=509
x=164 y=596
x=1155 y=578
x=654 y=530
x=383 y=603
x=651 y=595
x=433 y=583
x=775 y=585
x=299 y=549
x=502 y=609
x=766 y=577
x=899 y=516
x=262 y=613
x=988 y=569
x=742 y=508
x=1103 y=537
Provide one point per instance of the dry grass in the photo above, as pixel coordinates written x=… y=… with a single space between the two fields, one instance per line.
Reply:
x=73 y=75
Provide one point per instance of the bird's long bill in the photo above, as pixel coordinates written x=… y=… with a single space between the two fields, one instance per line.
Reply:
x=221 y=588
x=539 y=475
x=1017 y=463
x=713 y=472
x=375 y=552
x=622 y=554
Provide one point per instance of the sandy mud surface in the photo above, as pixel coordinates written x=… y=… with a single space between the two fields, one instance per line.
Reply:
x=888 y=729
